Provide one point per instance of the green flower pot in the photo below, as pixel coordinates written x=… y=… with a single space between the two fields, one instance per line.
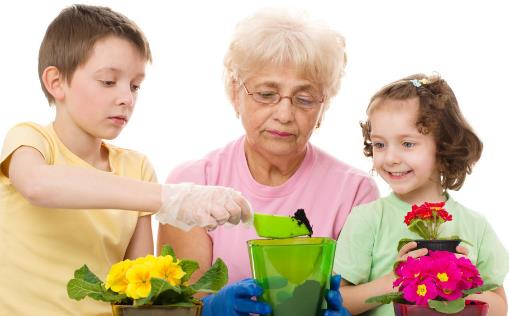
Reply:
x=293 y=272
x=155 y=310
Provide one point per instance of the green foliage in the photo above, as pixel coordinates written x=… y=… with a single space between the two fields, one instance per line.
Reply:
x=168 y=250
x=447 y=307
x=214 y=279
x=482 y=288
x=85 y=283
x=386 y=298
x=419 y=227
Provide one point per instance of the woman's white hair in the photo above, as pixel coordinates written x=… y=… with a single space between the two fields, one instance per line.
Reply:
x=275 y=37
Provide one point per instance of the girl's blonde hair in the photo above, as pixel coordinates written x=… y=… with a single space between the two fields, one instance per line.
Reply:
x=458 y=147
x=281 y=38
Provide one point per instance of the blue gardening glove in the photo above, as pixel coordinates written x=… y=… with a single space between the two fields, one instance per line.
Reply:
x=334 y=299
x=235 y=300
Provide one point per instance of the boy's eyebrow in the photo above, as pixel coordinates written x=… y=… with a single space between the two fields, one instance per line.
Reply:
x=116 y=70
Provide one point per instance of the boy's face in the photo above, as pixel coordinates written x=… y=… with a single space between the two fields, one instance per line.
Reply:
x=101 y=95
x=402 y=156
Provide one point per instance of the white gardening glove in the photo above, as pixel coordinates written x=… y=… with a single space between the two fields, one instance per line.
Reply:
x=187 y=205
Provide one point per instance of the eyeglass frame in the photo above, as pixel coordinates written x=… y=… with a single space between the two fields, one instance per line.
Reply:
x=291 y=98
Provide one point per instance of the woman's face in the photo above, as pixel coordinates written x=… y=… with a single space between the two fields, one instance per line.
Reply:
x=283 y=128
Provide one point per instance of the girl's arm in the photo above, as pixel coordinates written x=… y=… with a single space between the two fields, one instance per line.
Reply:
x=355 y=296
x=141 y=243
x=495 y=298
x=58 y=186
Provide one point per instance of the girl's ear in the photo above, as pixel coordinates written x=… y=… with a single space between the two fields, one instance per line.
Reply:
x=53 y=82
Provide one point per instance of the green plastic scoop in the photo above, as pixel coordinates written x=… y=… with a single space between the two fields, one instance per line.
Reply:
x=276 y=226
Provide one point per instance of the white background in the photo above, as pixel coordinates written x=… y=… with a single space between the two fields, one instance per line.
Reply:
x=183 y=113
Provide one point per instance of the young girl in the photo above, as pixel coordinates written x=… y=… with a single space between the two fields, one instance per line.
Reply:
x=421 y=146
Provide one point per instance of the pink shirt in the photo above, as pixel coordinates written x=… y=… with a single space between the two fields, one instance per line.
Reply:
x=327 y=189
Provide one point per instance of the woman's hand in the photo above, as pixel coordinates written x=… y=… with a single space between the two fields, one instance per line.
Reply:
x=235 y=300
x=187 y=205
x=334 y=300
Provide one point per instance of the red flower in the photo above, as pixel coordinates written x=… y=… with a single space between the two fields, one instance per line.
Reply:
x=426 y=218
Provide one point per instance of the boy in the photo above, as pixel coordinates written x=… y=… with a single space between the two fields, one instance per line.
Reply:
x=68 y=198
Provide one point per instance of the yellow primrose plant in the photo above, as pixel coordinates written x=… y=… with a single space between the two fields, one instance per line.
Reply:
x=161 y=280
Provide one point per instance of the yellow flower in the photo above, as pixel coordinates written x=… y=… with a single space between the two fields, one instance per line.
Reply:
x=166 y=268
x=138 y=278
x=116 y=279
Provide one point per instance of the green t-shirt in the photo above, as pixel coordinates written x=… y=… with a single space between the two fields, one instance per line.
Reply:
x=367 y=245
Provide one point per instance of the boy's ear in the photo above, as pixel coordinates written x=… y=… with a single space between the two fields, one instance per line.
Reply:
x=53 y=82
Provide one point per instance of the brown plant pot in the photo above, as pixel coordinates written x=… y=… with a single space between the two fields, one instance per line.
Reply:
x=155 y=310
x=438 y=244
x=472 y=308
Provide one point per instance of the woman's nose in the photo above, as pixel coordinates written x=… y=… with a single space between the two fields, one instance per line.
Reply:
x=285 y=110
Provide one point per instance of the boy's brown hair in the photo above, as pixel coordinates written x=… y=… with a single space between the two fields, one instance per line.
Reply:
x=71 y=36
x=458 y=147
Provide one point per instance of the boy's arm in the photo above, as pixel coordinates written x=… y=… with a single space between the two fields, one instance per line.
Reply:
x=141 y=243
x=58 y=186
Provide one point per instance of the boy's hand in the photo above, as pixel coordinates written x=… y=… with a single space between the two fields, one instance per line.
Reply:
x=188 y=205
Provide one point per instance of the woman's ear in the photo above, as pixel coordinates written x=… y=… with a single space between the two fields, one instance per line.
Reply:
x=53 y=82
x=235 y=96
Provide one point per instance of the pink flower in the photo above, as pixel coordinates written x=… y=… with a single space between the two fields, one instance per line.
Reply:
x=470 y=276
x=446 y=274
x=440 y=275
x=420 y=292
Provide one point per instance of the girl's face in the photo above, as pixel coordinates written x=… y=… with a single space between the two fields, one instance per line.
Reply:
x=403 y=157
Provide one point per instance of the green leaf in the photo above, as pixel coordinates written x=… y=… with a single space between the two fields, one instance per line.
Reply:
x=189 y=267
x=214 y=279
x=157 y=286
x=85 y=283
x=386 y=298
x=168 y=250
x=419 y=227
x=447 y=307
x=78 y=289
x=482 y=288
x=85 y=274
x=403 y=242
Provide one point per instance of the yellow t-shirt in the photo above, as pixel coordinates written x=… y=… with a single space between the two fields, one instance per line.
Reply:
x=41 y=247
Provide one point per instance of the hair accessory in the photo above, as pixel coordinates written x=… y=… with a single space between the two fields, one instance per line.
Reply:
x=419 y=82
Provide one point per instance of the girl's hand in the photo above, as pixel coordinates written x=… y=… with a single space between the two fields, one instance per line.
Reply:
x=461 y=252
x=406 y=251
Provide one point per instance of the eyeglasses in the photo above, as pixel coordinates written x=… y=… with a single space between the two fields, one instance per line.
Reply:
x=303 y=100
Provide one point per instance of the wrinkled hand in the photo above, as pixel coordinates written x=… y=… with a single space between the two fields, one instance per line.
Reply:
x=235 y=300
x=334 y=299
x=187 y=205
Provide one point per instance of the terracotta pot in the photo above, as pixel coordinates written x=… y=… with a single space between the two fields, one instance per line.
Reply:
x=472 y=308
x=155 y=310
x=438 y=244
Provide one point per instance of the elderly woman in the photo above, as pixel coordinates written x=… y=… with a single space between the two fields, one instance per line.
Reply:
x=281 y=73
